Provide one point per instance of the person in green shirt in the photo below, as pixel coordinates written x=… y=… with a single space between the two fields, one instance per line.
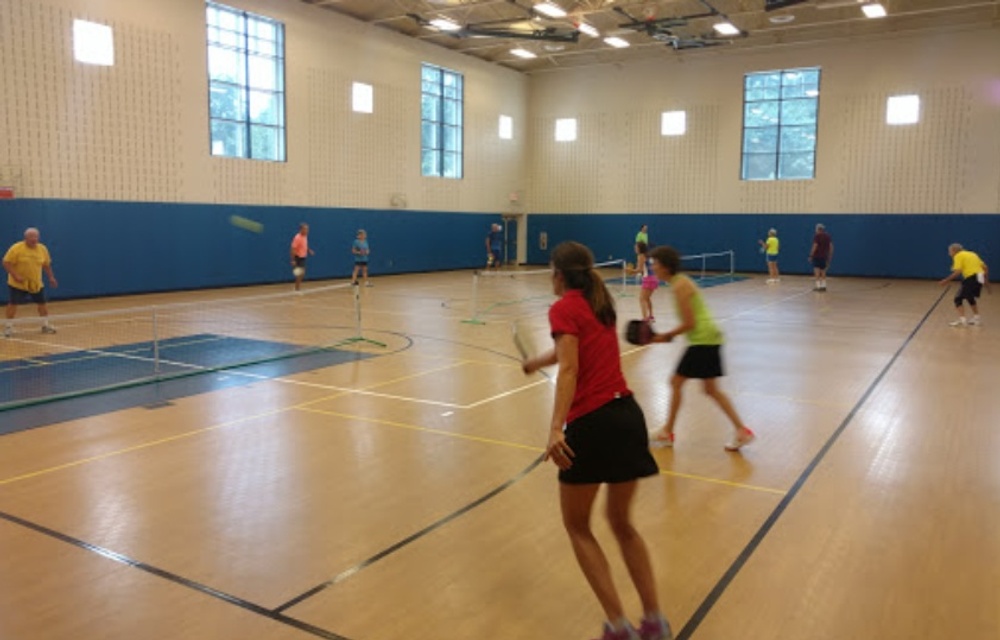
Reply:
x=703 y=358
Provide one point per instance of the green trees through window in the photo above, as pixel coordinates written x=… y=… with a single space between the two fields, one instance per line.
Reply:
x=246 y=84
x=441 y=107
x=780 y=111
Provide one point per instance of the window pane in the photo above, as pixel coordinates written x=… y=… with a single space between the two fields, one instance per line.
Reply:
x=227 y=19
x=264 y=73
x=430 y=74
x=452 y=139
x=452 y=113
x=798 y=139
x=798 y=111
x=452 y=165
x=263 y=47
x=227 y=101
x=761 y=114
x=762 y=80
x=768 y=93
x=797 y=166
x=228 y=139
x=763 y=140
x=430 y=108
x=429 y=135
x=224 y=38
x=758 y=167
x=266 y=108
x=265 y=143
x=429 y=162
x=225 y=64
x=261 y=29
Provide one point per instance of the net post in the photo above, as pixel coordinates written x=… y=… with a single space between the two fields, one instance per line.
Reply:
x=156 y=345
x=732 y=264
x=704 y=259
x=624 y=277
x=358 y=335
x=474 y=317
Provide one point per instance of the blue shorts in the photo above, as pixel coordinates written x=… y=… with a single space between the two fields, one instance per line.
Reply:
x=772 y=257
x=20 y=296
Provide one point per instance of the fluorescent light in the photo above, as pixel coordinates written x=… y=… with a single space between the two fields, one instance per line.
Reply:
x=874 y=10
x=726 y=28
x=550 y=9
x=93 y=43
x=903 y=110
x=362 y=98
x=506 y=128
x=565 y=129
x=523 y=53
x=444 y=24
x=585 y=28
x=617 y=43
x=812 y=93
x=673 y=123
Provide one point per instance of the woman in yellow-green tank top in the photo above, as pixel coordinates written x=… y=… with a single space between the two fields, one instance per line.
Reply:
x=703 y=358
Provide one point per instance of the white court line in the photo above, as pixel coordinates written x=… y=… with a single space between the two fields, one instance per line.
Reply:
x=504 y=394
x=765 y=306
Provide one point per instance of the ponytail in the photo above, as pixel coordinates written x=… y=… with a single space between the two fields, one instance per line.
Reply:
x=599 y=299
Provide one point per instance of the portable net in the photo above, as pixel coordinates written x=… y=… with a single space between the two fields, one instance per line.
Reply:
x=507 y=294
x=116 y=348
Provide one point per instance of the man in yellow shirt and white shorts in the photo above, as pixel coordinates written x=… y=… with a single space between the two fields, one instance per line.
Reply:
x=24 y=263
x=973 y=272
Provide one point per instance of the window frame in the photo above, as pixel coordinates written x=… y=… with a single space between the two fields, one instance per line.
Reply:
x=442 y=126
x=779 y=127
x=244 y=48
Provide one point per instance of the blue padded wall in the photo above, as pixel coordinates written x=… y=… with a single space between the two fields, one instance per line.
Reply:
x=109 y=248
x=897 y=246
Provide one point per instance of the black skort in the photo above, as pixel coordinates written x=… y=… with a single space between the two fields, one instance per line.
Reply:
x=611 y=445
x=701 y=361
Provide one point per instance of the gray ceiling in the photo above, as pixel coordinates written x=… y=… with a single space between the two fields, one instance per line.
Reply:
x=654 y=28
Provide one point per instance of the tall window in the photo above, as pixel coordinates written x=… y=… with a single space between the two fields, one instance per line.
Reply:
x=441 y=105
x=779 y=124
x=246 y=84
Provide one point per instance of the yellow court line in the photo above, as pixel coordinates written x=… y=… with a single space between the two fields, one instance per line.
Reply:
x=414 y=427
x=139 y=447
x=728 y=483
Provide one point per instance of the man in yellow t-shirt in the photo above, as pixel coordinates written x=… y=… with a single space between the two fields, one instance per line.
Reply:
x=968 y=267
x=24 y=263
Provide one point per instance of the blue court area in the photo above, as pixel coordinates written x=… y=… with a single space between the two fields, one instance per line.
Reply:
x=187 y=365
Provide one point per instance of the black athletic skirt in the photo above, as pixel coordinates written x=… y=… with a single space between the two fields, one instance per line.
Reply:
x=701 y=361
x=611 y=445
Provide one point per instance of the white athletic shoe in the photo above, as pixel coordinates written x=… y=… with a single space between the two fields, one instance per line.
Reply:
x=8 y=332
x=47 y=329
x=957 y=323
x=974 y=320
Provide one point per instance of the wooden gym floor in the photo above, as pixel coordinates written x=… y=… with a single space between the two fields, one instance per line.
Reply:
x=400 y=496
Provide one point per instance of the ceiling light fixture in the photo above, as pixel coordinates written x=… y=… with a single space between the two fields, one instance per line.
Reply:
x=726 y=28
x=874 y=10
x=523 y=53
x=587 y=29
x=444 y=24
x=617 y=43
x=550 y=9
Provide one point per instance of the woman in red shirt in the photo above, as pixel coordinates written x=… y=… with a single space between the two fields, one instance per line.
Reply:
x=598 y=436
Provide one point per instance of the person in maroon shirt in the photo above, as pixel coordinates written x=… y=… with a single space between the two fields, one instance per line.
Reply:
x=820 y=256
x=598 y=436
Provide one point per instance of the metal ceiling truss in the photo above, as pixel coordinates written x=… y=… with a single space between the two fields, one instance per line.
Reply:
x=664 y=29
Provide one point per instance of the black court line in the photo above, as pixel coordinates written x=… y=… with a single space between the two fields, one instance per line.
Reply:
x=173 y=577
x=343 y=575
x=727 y=578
